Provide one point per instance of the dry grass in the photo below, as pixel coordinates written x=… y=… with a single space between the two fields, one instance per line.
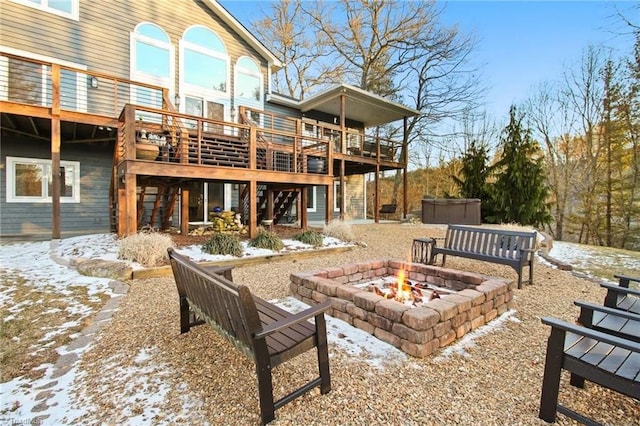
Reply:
x=32 y=327
x=147 y=248
x=340 y=230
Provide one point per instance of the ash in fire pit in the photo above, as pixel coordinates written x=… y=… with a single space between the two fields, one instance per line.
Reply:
x=433 y=307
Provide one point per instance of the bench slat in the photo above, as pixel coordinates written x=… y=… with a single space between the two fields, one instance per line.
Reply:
x=630 y=369
x=615 y=359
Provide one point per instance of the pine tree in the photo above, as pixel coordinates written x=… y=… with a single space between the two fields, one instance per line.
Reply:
x=474 y=173
x=520 y=191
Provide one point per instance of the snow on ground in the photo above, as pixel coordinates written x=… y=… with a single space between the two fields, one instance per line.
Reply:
x=43 y=264
x=582 y=257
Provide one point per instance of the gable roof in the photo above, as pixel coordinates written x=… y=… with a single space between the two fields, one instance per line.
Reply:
x=220 y=11
x=360 y=105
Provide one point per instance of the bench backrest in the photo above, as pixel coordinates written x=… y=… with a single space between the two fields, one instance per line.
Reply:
x=388 y=208
x=491 y=242
x=226 y=306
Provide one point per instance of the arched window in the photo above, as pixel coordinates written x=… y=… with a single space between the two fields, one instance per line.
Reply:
x=151 y=61
x=205 y=62
x=248 y=81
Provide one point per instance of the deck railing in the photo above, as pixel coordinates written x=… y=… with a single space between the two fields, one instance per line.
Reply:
x=280 y=143
x=182 y=138
x=37 y=83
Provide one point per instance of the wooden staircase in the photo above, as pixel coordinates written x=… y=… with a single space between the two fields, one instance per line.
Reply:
x=283 y=200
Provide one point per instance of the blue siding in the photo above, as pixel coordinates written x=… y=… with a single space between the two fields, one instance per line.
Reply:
x=33 y=220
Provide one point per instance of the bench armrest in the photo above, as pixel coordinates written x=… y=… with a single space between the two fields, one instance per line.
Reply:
x=619 y=289
x=283 y=323
x=607 y=310
x=626 y=279
x=592 y=334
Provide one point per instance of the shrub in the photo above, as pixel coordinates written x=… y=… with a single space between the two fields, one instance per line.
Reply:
x=309 y=237
x=223 y=244
x=267 y=240
x=147 y=248
x=340 y=230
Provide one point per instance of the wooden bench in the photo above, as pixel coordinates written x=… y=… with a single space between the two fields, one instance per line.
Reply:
x=507 y=247
x=267 y=334
x=619 y=297
x=388 y=209
x=609 y=320
x=587 y=354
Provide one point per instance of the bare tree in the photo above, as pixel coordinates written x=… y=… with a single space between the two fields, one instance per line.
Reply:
x=583 y=90
x=288 y=33
x=552 y=123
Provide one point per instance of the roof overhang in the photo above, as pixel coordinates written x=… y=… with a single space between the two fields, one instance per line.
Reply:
x=222 y=13
x=360 y=105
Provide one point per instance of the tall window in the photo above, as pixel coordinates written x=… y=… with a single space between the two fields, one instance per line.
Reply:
x=337 y=195
x=248 y=82
x=311 y=198
x=205 y=63
x=29 y=180
x=65 y=8
x=151 y=62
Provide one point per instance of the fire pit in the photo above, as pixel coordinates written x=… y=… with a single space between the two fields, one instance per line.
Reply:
x=432 y=307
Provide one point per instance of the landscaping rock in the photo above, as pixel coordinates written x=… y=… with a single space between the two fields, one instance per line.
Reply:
x=104 y=269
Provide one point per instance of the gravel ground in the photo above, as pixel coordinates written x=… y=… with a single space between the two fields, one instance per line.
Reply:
x=199 y=378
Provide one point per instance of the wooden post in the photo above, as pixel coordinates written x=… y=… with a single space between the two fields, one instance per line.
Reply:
x=376 y=199
x=342 y=190
x=302 y=211
x=329 y=203
x=253 y=207
x=405 y=183
x=55 y=152
x=184 y=211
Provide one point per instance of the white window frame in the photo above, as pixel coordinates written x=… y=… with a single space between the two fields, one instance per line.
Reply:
x=45 y=197
x=238 y=72
x=207 y=93
x=43 y=5
x=135 y=75
x=336 y=186
x=314 y=208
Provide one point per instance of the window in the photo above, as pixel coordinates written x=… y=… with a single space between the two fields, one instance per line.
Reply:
x=204 y=61
x=29 y=180
x=337 y=196
x=248 y=81
x=311 y=198
x=65 y=8
x=30 y=82
x=151 y=62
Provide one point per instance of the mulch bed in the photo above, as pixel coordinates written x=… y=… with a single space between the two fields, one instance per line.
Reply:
x=284 y=232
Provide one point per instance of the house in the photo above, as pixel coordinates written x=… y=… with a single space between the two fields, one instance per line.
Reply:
x=120 y=115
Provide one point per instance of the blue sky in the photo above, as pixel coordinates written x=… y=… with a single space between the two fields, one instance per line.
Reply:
x=520 y=43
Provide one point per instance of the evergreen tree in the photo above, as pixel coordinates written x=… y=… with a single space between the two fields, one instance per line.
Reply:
x=474 y=173
x=520 y=191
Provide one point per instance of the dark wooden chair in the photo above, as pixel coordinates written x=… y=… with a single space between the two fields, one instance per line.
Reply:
x=587 y=354
x=609 y=320
x=623 y=298
x=265 y=333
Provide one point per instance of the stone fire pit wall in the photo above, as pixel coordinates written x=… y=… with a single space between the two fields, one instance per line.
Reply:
x=418 y=331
